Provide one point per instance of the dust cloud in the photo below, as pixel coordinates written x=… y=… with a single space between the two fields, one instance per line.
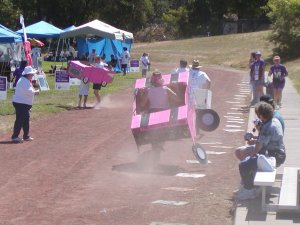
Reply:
x=108 y=102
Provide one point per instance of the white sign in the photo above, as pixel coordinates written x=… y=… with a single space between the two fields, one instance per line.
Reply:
x=43 y=84
x=62 y=80
x=134 y=66
x=74 y=81
x=3 y=88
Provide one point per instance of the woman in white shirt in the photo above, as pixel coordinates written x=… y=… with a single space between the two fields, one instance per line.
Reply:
x=22 y=102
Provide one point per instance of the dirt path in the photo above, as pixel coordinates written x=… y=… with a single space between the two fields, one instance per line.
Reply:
x=82 y=169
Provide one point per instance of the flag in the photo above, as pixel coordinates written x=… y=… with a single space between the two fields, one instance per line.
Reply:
x=23 y=27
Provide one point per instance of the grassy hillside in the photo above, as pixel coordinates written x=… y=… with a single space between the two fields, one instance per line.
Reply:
x=229 y=51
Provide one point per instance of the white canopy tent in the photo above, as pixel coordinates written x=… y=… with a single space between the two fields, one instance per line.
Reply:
x=97 y=28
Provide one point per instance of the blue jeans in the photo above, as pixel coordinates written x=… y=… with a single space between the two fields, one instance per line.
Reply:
x=248 y=168
x=22 y=120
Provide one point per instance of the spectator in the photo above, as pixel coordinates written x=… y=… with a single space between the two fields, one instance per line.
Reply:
x=252 y=60
x=92 y=56
x=182 y=67
x=72 y=52
x=257 y=77
x=198 y=78
x=277 y=115
x=269 y=143
x=113 y=62
x=22 y=102
x=279 y=73
x=125 y=56
x=35 y=54
x=145 y=63
x=83 y=91
x=18 y=72
x=158 y=94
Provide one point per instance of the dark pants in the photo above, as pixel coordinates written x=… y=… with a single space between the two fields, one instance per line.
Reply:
x=22 y=120
x=248 y=168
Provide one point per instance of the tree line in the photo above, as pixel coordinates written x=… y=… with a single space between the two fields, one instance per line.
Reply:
x=184 y=17
x=180 y=18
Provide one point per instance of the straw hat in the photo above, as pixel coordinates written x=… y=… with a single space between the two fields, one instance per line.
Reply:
x=196 y=64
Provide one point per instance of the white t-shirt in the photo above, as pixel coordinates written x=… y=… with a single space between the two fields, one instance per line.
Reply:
x=125 y=57
x=100 y=64
x=145 y=62
x=84 y=88
x=24 y=92
x=181 y=70
x=197 y=78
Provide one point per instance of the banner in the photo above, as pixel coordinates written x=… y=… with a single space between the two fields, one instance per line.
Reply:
x=134 y=66
x=3 y=88
x=62 y=80
x=74 y=81
x=42 y=81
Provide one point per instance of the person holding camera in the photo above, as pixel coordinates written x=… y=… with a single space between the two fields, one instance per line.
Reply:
x=269 y=143
x=145 y=62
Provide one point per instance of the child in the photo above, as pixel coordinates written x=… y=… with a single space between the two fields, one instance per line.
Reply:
x=83 y=91
x=145 y=64
x=99 y=63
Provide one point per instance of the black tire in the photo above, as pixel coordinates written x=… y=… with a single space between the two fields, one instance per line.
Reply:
x=207 y=119
x=199 y=153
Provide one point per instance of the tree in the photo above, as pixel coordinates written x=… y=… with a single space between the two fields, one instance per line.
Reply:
x=9 y=14
x=285 y=17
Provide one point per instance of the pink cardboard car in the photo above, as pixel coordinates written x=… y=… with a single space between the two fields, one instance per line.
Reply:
x=90 y=73
x=182 y=120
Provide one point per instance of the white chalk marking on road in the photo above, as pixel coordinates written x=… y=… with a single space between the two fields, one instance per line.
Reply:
x=214 y=153
x=165 y=202
x=236 y=126
x=211 y=143
x=234 y=108
x=239 y=99
x=215 y=146
x=179 y=189
x=235 y=119
x=194 y=161
x=233 y=130
x=231 y=121
x=235 y=113
x=190 y=175
x=162 y=223
x=233 y=102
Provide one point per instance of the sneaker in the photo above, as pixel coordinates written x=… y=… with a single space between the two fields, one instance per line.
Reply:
x=247 y=194
x=240 y=189
x=17 y=140
x=29 y=139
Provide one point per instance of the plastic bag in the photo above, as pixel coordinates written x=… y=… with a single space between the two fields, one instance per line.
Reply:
x=265 y=163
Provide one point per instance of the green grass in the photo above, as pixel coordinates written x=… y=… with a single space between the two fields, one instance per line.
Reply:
x=227 y=50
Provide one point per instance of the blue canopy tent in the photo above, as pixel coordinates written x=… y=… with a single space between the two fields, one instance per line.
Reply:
x=41 y=29
x=103 y=37
x=8 y=36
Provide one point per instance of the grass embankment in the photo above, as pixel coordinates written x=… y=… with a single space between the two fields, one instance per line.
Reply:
x=228 y=50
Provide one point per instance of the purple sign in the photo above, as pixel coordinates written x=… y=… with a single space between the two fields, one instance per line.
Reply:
x=3 y=84
x=134 y=63
x=61 y=76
